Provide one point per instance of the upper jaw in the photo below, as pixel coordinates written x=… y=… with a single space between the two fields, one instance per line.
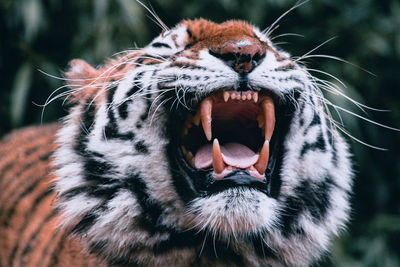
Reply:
x=230 y=135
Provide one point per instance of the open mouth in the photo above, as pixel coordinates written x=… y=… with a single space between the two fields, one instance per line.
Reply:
x=230 y=133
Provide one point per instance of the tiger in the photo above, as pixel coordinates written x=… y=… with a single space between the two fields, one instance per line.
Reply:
x=210 y=146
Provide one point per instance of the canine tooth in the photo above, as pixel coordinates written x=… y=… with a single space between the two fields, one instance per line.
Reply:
x=260 y=120
x=255 y=97
x=196 y=119
x=226 y=96
x=218 y=162
x=248 y=96
x=262 y=162
x=192 y=163
x=184 y=150
x=205 y=111
x=190 y=159
x=269 y=117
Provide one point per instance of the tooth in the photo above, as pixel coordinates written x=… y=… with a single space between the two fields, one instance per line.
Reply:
x=218 y=162
x=196 y=119
x=233 y=95
x=205 y=111
x=269 y=117
x=262 y=162
x=184 y=150
x=260 y=120
x=192 y=163
x=255 y=97
x=244 y=97
x=226 y=96
x=248 y=96
x=190 y=159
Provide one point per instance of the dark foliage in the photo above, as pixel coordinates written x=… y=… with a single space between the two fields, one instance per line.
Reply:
x=45 y=34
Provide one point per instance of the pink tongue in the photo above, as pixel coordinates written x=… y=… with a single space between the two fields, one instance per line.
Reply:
x=233 y=154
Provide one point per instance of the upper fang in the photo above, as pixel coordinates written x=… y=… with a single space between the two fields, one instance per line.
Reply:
x=205 y=112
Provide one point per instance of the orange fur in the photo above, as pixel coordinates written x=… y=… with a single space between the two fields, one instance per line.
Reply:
x=28 y=235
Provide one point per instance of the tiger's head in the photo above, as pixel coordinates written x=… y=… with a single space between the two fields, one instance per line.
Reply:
x=210 y=146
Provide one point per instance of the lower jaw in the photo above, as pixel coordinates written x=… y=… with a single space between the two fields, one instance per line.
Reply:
x=205 y=183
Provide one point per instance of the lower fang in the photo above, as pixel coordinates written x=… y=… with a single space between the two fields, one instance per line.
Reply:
x=217 y=161
x=262 y=162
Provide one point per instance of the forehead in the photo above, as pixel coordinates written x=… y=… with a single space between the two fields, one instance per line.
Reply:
x=203 y=30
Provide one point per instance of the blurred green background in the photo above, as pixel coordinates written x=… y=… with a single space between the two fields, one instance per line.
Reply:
x=45 y=34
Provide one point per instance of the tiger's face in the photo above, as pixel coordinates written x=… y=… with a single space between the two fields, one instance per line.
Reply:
x=208 y=141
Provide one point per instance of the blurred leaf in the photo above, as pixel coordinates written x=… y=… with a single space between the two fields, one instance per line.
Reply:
x=19 y=93
x=33 y=16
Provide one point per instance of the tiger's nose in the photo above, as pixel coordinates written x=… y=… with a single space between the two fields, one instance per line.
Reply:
x=242 y=55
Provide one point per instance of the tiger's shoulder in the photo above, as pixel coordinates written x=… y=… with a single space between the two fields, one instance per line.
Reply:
x=28 y=219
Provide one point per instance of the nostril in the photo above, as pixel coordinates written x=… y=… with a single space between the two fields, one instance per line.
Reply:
x=257 y=58
x=229 y=58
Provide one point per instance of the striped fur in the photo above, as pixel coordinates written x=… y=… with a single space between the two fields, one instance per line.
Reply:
x=122 y=198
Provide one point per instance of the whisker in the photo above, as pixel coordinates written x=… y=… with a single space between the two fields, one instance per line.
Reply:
x=269 y=29
x=160 y=22
x=286 y=34
x=366 y=119
x=296 y=59
x=341 y=60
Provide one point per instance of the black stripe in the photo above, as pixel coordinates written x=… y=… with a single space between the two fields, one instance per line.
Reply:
x=292 y=78
x=319 y=144
x=309 y=196
x=51 y=244
x=286 y=67
x=158 y=44
x=189 y=32
x=24 y=193
x=111 y=129
x=136 y=86
x=27 y=221
x=56 y=254
x=96 y=168
x=141 y=147
x=28 y=246
x=151 y=209
x=289 y=216
x=145 y=114
x=86 y=222
x=182 y=65
x=44 y=156
x=332 y=142
x=123 y=109
x=315 y=120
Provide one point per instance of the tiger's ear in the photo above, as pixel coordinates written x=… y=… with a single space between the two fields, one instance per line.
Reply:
x=82 y=78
